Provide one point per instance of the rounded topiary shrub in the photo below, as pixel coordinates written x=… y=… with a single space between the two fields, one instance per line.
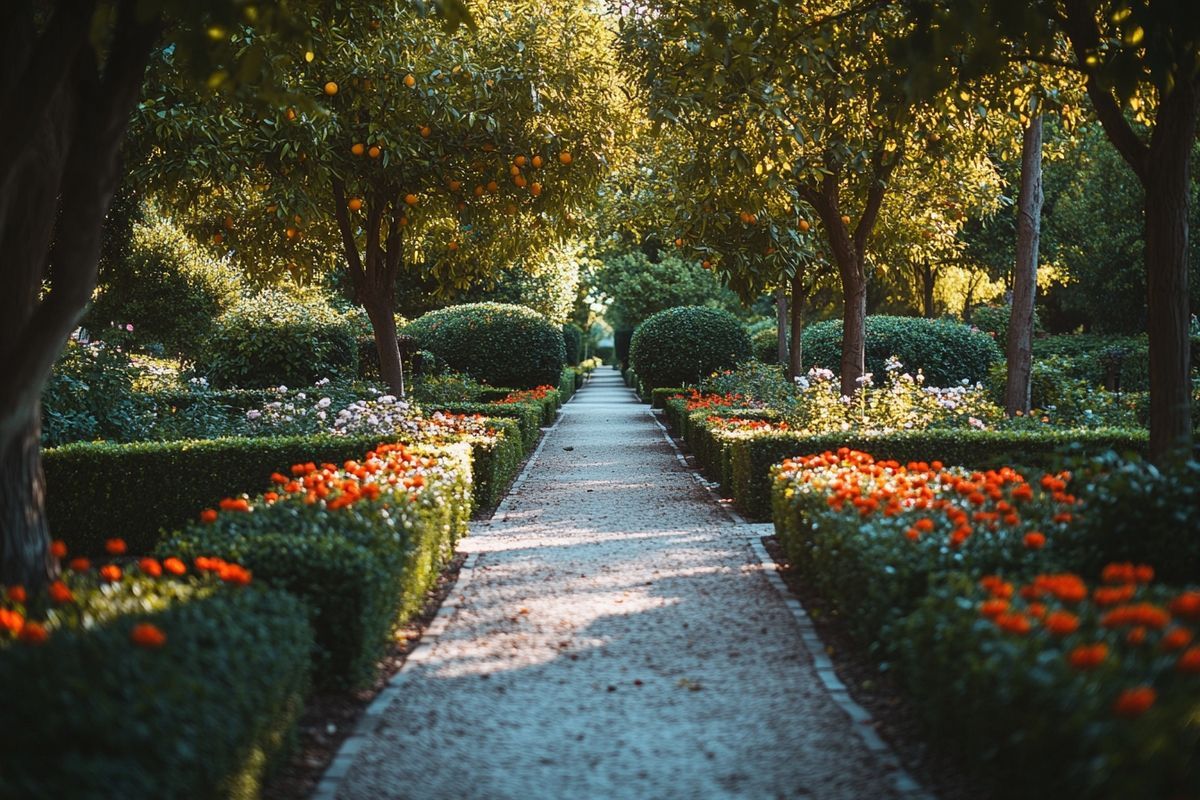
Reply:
x=498 y=344
x=573 y=339
x=946 y=352
x=279 y=338
x=166 y=287
x=766 y=345
x=682 y=345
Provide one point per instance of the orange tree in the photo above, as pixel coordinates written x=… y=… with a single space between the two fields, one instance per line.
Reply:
x=73 y=74
x=812 y=104
x=1139 y=63
x=411 y=149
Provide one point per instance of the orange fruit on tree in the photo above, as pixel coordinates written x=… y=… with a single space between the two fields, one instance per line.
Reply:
x=298 y=219
x=403 y=221
x=217 y=238
x=355 y=204
x=519 y=161
x=290 y=114
x=358 y=148
x=453 y=245
x=478 y=190
x=425 y=131
x=374 y=152
x=291 y=233
x=706 y=264
x=678 y=242
x=845 y=219
x=537 y=162
x=409 y=80
x=331 y=88
x=488 y=147
x=565 y=157
x=803 y=226
x=514 y=170
x=535 y=189
x=411 y=199
x=228 y=222
x=454 y=185
x=461 y=206
x=492 y=186
x=520 y=181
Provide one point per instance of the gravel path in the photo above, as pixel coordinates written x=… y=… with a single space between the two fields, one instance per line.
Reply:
x=615 y=638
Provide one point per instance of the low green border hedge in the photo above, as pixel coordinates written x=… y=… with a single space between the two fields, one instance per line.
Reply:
x=528 y=416
x=658 y=397
x=751 y=458
x=549 y=405
x=88 y=714
x=495 y=463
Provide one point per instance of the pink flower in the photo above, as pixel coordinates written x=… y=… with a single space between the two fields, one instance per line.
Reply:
x=129 y=327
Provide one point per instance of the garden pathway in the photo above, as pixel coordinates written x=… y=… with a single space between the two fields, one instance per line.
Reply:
x=612 y=636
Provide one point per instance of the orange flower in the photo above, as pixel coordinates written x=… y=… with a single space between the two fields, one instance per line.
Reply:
x=174 y=566
x=1134 y=702
x=1112 y=595
x=996 y=586
x=151 y=567
x=993 y=608
x=16 y=594
x=1145 y=615
x=1036 y=610
x=234 y=504
x=33 y=633
x=1088 y=656
x=148 y=636
x=1176 y=639
x=1126 y=572
x=1062 y=623
x=1187 y=605
x=1189 y=662
x=115 y=547
x=208 y=516
x=110 y=573
x=1067 y=587
x=60 y=593
x=925 y=525
x=1013 y=623
x=1035 y=540
x=80 y=565
x=58 y=548
x=11 y=621
x=1136 y=636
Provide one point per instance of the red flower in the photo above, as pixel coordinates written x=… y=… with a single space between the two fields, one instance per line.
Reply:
x=1187 y=605
x=208 y=516
x=993 y=608
x=1176 y=639
x=1013 y=623
x=58 y=548
x=1088 y=656
x=1136 y=636
x=33 y=633
x=80 y=565
x=1134 y=702
x=11 y=621
x=110 y=573
x=1035 y=540
x=1190 y=661
x=115 y=547
x=16 y=594
x=174 y=566
x=1061 y=623
x=60 y=593
x=151 y=567
x=148 y=636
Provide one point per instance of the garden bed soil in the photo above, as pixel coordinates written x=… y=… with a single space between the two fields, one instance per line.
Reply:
x=330 y=717
x=896 y=719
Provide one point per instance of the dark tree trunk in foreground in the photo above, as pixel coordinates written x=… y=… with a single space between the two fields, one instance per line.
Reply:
x=928 y=275
x=373 y=274
x=781 y=320
x=1029 y=229
x=1163 y=165
x=799 y=295
x=62 y=121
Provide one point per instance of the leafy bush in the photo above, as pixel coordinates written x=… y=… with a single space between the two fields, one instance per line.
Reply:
x=167 y=287
x=452 y=387
x=765 y=344
x=501 y=345
x=359 y=544
x=640 y=287
x=1064 y=399
x=528 y=416
x=573 y=338
x=946 y=352
x=279 y=338
x=993 y=320
x=90 y=396
x=1086 y=357
x=682 y=345
x=204 y=715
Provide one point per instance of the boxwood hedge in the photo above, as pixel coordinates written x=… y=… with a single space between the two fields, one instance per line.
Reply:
x=683 y=345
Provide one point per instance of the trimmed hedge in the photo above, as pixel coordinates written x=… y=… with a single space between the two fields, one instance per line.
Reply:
x=573 y=339
x=88 y=714
x=947 y=352
x=659 y=397
x=528 y=416
x=751 y=458
x=495 y=462
x=567 y=383
x=683 y=345
x=499 y=344
x=548 y=405
x=361 y=569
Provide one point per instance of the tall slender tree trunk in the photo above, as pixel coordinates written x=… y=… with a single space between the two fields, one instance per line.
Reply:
x=1167 y=183
x=928 y=283
x=781 y=320
x=796 y=354
x=26 y=559
x=391 y=365
x=1029 y=229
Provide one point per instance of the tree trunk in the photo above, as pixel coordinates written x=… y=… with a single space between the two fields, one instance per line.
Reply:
x=928 y=282
x=781 y=317
x=1029 y=229
x=391 y=366
x=1167 y=183
x=26 y=557
x=796 y=359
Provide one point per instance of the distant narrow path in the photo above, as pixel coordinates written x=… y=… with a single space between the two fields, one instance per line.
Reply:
x=615 y=639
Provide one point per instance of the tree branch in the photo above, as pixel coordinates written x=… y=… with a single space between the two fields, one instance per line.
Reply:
x=880 y=175
x=353 y=260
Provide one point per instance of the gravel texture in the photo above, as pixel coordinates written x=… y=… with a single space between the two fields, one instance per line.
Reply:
x=614 y=637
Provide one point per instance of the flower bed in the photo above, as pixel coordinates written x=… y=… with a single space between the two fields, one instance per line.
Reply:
x=150 y=679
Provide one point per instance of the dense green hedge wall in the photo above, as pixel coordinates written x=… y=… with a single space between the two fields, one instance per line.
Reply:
x=89 y=715
x=573 y=339
x=499 y=344
x=752 y=458
x=360 y=569
x=495 y=463
x=528 y=416
x=947 y=352
x=684 y=345
x=566 y=385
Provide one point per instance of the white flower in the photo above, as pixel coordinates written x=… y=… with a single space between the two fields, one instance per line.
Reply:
x=324 y=402
x=388 y=398
x=253 y=414
x=866 y=379
x=976 y=423
x=802 y=382
x=322 y=382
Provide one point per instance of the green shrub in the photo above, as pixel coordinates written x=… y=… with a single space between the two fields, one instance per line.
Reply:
x=765 y=344
x=495 y=462
x=685 y=344
x=361 y=568
x=90 y=396
x=528 y=416
x=204 y=716
x=660 y=396
x=573 y=339
x=167 y=287
x=1067 y=400
x=752 y=457
x=501 y=345
x=566 y=385
x=279 y=338
x=946 y=352
x=452 y=387
x=1086 y=357
x=993 y=320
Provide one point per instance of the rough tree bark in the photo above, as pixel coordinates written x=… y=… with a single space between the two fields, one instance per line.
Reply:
x=928 y=275
x=1029 y=229
x=781 y=319
x=799 y=296
x=64 y=118
x=373 y=274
